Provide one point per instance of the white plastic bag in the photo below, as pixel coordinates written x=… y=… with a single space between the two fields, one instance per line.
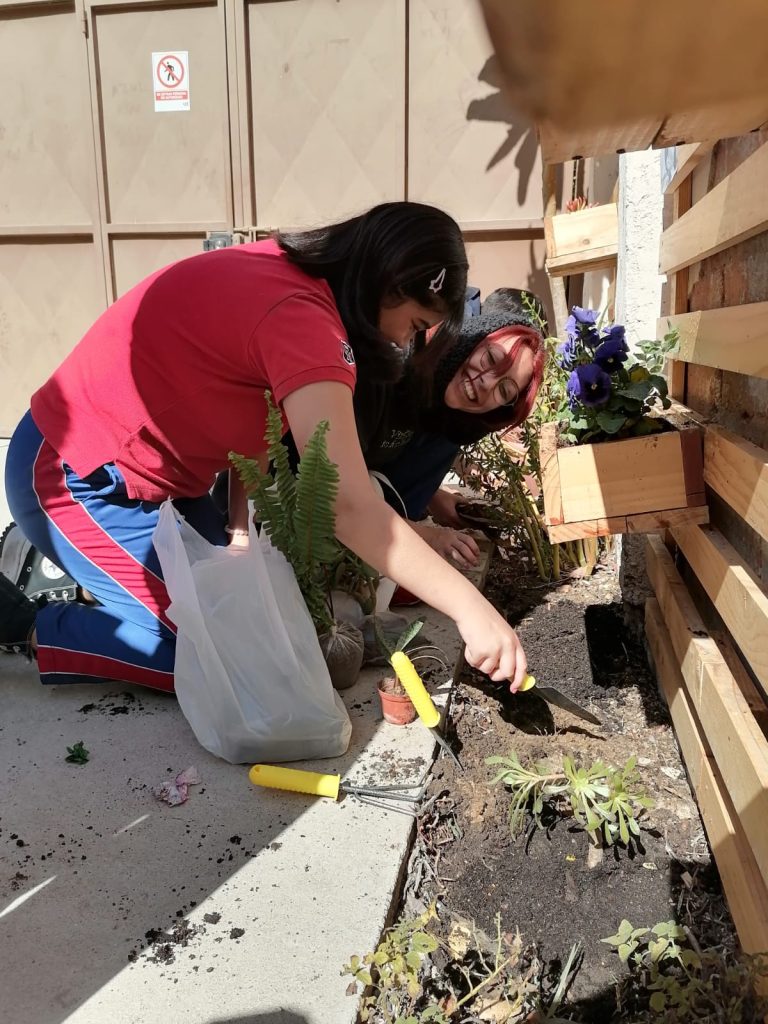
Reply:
x=250 y=676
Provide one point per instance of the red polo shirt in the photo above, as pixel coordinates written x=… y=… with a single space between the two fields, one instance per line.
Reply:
x=172 y=376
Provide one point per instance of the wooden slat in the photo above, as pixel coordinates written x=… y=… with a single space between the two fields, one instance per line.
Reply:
x=689 y=156
x=733 y=734
x=756 y=700
x=708 y=124
x=738 y=471
x=550 y=474
x=586 y=528
x=733 y=588
x=656 y=522
x=735 y=209
x=733 y=338
x=646 y=522
x=741 y=877
x=561 y=144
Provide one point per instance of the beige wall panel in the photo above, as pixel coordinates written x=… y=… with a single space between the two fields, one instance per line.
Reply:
x=50 y=293
x=137 y=258
x=512 y=263
x=163 y=167
x=467 y=152
x=327 y=97
x=47 y=170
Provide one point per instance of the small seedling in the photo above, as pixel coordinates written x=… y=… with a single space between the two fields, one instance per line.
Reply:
x=77 y=754
x=606 y=802
x=479 y=976
x=676 y=983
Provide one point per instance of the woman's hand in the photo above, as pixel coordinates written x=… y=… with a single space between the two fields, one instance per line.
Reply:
x=442 y=508
x=460 y=548
x=492 y=645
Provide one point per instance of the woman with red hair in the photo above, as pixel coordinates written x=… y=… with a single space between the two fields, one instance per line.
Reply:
x=487 y=381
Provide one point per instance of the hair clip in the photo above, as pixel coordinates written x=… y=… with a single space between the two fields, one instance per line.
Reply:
x=436 y=284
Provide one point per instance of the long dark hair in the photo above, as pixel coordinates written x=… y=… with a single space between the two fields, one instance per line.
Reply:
x=392 y=253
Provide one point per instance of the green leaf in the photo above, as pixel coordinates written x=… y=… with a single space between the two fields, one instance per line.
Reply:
x=658 y=1002
x=638 y=390
x=413 y=960
x=409 y=634
x=611 y=423
x=77 y=754
x=423 y=942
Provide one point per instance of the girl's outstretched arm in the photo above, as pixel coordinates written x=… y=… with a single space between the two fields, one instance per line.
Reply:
x=367 y=525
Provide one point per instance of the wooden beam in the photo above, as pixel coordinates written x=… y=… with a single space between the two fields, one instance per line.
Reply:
x=742 y=880
x=735 y=209
x=556 y=284
x=738 y=471
x=733 y=338
x=677 y=371
x=689 y=156
x=734 y=590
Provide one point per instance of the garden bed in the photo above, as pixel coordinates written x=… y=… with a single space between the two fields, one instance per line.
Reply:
x=545 y=883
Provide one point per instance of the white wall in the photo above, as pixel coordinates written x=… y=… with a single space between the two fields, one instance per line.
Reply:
x=638 y=282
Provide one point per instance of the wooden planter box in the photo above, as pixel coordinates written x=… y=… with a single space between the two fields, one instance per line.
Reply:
x=639 y=485
x=582 y=241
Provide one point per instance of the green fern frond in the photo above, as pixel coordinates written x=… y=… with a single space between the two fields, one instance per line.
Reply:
x=285 y=481
x=261 y=489
x=317 y=485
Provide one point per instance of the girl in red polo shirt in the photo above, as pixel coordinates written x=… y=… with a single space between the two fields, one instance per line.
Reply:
x=172 y=377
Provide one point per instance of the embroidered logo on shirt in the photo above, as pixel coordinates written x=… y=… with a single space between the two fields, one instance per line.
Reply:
x=347 y=353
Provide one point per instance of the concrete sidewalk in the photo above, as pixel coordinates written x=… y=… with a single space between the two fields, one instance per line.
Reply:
x=278 y=889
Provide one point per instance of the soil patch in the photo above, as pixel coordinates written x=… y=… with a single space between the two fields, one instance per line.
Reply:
x=542 y=882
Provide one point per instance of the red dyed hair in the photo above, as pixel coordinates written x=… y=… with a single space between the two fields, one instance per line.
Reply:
x=509 y=417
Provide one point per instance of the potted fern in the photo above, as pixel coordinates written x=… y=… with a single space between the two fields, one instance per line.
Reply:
x=297 y=513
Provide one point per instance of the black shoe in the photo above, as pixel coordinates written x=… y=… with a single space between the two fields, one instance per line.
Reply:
x=33 y=573
x=17 y=619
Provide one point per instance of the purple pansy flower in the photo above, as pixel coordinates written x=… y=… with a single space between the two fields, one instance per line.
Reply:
x=571 y=328
x=566 y=354
x=584 y=316
x=611 y=354
x=615 y=333
x=589 y=385
x=590 y=337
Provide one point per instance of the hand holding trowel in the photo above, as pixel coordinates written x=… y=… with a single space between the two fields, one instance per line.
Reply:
x=558 y=699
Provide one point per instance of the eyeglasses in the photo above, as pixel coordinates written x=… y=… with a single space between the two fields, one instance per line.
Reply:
x=497 y=361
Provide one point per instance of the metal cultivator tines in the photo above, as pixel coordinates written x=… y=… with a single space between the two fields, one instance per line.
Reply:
x=394 y=797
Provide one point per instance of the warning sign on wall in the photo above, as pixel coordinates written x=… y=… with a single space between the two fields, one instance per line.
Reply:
x=170 y=80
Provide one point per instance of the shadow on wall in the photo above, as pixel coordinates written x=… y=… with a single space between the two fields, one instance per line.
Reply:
x=494 y=107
